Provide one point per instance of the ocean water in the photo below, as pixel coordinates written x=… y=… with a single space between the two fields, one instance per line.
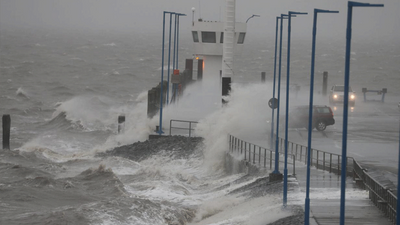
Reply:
x=65 y=90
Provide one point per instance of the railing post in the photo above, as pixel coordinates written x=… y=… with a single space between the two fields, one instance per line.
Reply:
x=330 y=164
x=294 y=165
x=230 y=143
x=265 y=157
x=317 y=159
x=259 y=155
x=301 y=151
x=270 y=160
x=190 y=128
x=254 y=154
x=250 y=155
x=324 y=161
x=292 y=149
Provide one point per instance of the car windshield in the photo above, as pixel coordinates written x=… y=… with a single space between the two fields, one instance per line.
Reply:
x=341 y=88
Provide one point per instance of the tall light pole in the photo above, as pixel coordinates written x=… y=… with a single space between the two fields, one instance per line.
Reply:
x=287 y=105
x=162 y=75
x=276 y=171
x=350 y=6
x=169 y=53
x=398 y=180
x=159 y=131
x=310 y=114
x=176 y=50
x=252 y=17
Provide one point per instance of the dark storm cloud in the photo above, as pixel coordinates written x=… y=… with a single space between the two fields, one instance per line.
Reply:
x=146 y=15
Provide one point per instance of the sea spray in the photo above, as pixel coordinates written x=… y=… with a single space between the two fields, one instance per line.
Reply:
x=246 y=113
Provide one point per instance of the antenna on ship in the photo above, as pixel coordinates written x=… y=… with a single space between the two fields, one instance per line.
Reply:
x=193 y=9
x=199 y=11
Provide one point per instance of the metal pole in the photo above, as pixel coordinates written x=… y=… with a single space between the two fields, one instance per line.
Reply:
x=177 y=43
x=276 y=170
x=310 y=127
x=346 y=103
x=279 y=93
x=162 y=75
x=345 y=113
x=174 y=54
x=287 y=107
x=310 y=113
x=398 y=181
x=287 y=113
x=169 y=54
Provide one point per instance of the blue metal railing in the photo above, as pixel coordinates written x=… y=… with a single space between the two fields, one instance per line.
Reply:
x=383 y=198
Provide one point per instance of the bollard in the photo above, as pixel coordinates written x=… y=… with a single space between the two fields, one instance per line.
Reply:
x=189 y=68
x=226 y=88
x=324 y=83
x=263 y=77
x=6 y=131
x=121 y=124
x=199 y=69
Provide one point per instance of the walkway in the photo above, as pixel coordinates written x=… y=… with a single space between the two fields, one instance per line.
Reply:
x=325 y=200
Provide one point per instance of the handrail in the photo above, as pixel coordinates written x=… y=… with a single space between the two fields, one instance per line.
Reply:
x=181 y=128
x=382 y=197
x=254 y=153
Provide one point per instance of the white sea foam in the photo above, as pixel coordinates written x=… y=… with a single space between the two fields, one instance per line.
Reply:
x=91 y=112
x=22 y=93
x=110 y=44
x=234 y=210
x=246 y=113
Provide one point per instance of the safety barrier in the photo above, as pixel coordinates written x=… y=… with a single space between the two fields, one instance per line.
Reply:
x=254 y=153
x=189 y=128
x=382 y=197
x=320 y=159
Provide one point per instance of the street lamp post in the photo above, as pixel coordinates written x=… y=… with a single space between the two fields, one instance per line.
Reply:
x=287 y=105
x=159 y=131
x=176 y=50
x=276 y=171
x=252 y=17
x=398 y=180
x=169 y=53
x=310 y=113
x=350 y=6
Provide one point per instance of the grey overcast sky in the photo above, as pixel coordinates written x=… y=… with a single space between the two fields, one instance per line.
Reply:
x=146 y=15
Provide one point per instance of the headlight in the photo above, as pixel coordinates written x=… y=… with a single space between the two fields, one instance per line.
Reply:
x=334 y=96
x=352 y=96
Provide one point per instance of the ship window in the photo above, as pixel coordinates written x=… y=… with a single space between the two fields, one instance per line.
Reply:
x=222 y=38
x=195 y=36
x=241 y=38
x=208 y=37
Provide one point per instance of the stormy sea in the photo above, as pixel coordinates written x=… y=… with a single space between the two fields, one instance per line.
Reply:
x=67 y=164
